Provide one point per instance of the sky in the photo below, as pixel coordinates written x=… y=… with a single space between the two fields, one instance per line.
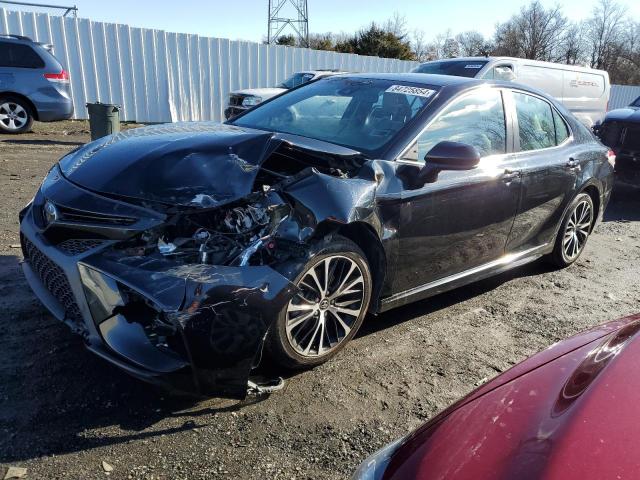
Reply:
x=247 y=19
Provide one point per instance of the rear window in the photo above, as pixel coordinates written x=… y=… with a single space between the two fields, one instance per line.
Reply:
x=458 y=68
x=535 y=122
x=18 y=55
x=562 y=131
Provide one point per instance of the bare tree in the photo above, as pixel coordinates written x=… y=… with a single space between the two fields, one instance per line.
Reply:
x=506 y=40
x=442 y=46
x=533 y=33
x=450 y=49
x=604 y=33
x=420 y=46
x=626 y=68
x=572 y=47
x=397 y=25
x=473 y=44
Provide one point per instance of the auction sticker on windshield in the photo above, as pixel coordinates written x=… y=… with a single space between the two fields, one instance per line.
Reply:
x=407 y=90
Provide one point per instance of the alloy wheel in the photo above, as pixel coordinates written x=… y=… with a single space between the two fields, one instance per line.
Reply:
x=329 y=303
x=13 y=116
x=577 y=230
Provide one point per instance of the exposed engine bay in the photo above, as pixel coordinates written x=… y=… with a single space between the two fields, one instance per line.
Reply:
x=218 y=236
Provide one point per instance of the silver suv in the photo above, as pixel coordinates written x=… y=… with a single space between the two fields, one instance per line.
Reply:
x=33 y=85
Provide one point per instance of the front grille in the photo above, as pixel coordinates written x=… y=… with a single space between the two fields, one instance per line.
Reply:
x=80 y=216
x=77 y=246
x=53 y=278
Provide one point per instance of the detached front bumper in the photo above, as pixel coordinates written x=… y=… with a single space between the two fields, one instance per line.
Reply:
x=213 y=318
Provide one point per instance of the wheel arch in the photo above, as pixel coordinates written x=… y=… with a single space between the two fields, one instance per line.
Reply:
x=365 y=236
x=593 y=191
x=30 y=104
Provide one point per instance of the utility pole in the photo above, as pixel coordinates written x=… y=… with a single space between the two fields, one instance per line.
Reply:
x=292 y=13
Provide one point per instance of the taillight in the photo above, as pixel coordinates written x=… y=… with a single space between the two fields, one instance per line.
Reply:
x=62 y=77
x=611 y=157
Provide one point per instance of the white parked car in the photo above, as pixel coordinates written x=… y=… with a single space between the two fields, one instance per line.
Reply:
x=241 y=100
x=584 y=91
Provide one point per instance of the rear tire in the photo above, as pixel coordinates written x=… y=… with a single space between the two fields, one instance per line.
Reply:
x=335 y=289
x=574 y=231
x=16 y=115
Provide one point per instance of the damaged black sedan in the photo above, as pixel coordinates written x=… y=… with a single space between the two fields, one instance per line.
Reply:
x=187 y=253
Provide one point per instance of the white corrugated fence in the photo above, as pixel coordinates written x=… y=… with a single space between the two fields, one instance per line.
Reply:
x=623 y=95
x=158 y=76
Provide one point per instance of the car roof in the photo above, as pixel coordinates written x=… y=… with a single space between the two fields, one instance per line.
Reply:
x=458 y=83
x=421 y=78
x=15 y=38
x=557 y=65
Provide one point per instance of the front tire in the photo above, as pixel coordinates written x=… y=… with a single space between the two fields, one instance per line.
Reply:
x=335 y=289
x=574 y=231
x=15 y=115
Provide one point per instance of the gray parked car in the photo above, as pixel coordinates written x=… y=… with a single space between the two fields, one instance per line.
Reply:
x=33 y=85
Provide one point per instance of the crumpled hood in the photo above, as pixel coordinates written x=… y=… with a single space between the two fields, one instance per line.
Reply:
x=201 y=164
x=628 y=114
x=182 y=163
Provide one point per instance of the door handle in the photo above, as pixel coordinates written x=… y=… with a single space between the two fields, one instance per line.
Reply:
x=573 y=164
x=510 y=175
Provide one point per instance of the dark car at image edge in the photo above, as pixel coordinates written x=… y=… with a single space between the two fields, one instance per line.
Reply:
x=565 y=413
x=185 y=253
x=620 y=130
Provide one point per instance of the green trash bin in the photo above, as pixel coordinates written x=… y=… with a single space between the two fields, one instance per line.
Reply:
x=104 y=119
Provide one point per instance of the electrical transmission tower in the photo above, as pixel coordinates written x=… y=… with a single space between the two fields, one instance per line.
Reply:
x=282 y=14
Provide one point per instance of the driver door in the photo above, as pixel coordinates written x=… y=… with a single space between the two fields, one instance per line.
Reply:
x=462 y=219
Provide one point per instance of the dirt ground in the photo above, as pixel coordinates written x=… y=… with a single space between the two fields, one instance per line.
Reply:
x=63 y=411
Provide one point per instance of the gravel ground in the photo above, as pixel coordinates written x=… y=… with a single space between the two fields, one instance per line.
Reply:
x=63 y=412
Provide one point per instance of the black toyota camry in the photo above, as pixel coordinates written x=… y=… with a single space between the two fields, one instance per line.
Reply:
x=188 y=253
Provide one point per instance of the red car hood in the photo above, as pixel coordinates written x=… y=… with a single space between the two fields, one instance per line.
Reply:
x=569 y=412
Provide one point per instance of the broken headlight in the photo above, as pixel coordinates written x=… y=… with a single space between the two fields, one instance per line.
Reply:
x=251 y=101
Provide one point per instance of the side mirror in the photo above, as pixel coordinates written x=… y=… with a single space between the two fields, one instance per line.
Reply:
x=447 y=156
x=452 y=156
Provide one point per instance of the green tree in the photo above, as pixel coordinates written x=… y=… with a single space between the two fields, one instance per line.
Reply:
x=320 y=41
x=377 y=41
x=288 y=40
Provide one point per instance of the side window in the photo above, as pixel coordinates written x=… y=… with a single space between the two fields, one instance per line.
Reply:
x=476 y=119
x=19 y=56
x=535 y=120
x=562 y=131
